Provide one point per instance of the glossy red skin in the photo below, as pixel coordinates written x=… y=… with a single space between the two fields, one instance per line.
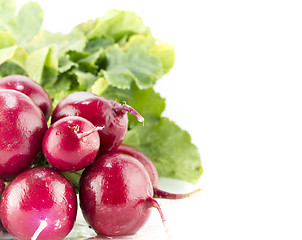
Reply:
x=22 y=127
x=143 y=159
x=39 y=194
x=30 y=88
x=99 y=111
x=65 y=150
x=114 y=195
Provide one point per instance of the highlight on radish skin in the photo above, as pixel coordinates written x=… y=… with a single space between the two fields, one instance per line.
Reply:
x=42 y=226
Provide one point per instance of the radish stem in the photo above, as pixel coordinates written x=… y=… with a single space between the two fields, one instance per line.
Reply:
x=87 y=133
x=131 y=110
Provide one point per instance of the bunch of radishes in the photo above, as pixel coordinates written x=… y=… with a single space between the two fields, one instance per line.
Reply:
x=117 y=187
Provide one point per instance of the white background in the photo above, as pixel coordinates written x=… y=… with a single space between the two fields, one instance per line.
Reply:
x=236 y=88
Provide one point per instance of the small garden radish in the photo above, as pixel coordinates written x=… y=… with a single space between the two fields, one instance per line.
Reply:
x=151 y=169
x=22 y=127
x=101 y=112
x=30 y=88
x=116 y=195
x=39 y=203
x=71 y=143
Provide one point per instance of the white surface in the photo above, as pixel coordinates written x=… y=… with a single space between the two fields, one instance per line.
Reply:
x=236 y=87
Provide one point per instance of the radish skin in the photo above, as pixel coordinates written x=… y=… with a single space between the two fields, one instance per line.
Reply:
x=22 y=127
x=71 y=143
x=40 y=203
x=30 y=88
x=116 y=195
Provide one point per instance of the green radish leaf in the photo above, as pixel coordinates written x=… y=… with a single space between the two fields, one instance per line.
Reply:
x=15 y=54
x=7 y=12
x=142 y=59
x=132 y=64
x=95 y=44
x=7 y=39
x=10 y=68
x=169 y=147
x=75 y=41
x=166 y=53
x=99 y=86
x=27 y=23
x=85 y=79
x=61 y=88
x=42 y=65
x=66 y=64
x=12 y=61
x=115 y=25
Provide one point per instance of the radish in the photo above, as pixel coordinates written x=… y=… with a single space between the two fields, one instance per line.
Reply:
x=39 y=203
x=101 y=112
x=151 y=169
x=116 y=195
x=30 y=88
x=22 y=127
x=71 y=143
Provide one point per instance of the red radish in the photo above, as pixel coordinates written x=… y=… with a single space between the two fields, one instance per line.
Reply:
x=30 y=88
x=39 y=203
x=22 y=127
x=71 y=144
x=151 y=169
x=116 y=195
x=101 y=112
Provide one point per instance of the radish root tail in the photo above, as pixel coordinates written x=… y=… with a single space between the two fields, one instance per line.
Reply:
x=166 y=195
